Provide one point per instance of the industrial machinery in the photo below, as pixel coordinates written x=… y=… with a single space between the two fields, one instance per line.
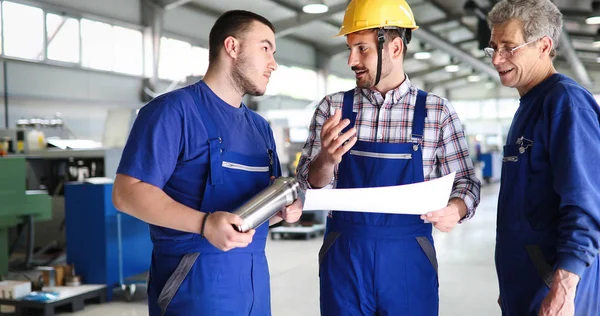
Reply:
x=18 y=205
x=51 y=157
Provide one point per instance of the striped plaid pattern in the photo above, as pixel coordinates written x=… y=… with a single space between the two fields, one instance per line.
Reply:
x=389 y=119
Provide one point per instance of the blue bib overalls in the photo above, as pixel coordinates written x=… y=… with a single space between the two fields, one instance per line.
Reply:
x=379 y=264
x=188 y=275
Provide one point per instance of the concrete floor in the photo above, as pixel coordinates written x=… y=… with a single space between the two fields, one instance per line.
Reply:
x=468 y=283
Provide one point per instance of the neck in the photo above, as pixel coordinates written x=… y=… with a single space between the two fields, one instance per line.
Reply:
x=544 y=74
x=392 y=81
x=219 y=80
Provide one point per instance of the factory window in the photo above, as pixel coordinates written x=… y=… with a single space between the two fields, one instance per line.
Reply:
x=129 y=48
x=507 y=107
x=294 y=82
x=174 y=59
x=489 y=109
x=467 y=109
x=473 y=110
x=96 y=45
x=62 y=38
x=460 y=108
x=113 y=48
x=23 y=31
x=337 y=84
x=199 y=62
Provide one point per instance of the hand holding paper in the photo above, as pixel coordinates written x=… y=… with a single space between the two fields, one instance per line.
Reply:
x=416 y=199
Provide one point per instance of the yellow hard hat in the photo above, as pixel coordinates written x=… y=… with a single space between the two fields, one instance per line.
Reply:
x=367 y=14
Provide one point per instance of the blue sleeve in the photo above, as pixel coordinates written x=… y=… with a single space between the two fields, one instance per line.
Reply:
x=154 y=144
x=574 y=148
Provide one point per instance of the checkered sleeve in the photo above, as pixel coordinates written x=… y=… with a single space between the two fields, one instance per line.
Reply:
x=454 y=156
x=312 y=147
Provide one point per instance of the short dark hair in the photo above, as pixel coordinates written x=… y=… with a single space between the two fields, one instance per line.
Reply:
x=232 y=23
x=404 y=34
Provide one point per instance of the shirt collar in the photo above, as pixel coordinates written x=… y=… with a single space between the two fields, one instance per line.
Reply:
x=397 y=93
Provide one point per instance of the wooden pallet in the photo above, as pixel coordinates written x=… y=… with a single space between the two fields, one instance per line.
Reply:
x=71 y=298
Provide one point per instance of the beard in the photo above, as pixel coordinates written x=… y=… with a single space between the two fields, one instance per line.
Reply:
x=368 y=80
x=240 y=78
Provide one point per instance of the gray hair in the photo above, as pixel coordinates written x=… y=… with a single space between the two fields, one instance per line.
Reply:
x=540 y=18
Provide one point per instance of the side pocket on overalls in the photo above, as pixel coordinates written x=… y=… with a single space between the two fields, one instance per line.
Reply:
x=542 y=267
x=175 y=280
x=427 y=248
x=327 y=243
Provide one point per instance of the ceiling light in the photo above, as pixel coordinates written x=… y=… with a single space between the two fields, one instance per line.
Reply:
x=422 y=55
x=598 y=59
x=315 y=8
x=594 y=17
x=473 y=78
x=452 y=68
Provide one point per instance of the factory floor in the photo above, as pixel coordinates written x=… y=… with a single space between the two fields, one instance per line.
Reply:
x=467 y=276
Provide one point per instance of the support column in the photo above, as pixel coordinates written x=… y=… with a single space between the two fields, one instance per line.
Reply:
x=153 y=22
x=323 y=70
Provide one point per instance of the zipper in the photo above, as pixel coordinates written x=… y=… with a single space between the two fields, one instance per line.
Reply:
x=380 y=155
x=237 y=166
x=510 y=159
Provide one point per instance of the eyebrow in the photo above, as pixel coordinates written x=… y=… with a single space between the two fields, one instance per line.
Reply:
x=270 y=44
x=357 y=44
x=491 y=43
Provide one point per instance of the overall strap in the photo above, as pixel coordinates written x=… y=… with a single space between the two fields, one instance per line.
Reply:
x=347 y=107
x=214 y=140
x=419 y=119
x=269 y=145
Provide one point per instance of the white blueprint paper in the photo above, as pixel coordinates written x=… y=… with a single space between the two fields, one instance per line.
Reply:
x=417 y=198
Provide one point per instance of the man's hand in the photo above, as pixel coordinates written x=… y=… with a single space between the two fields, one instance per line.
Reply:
x=292 y=212
x=446 y=218
x=219 y=231
x=560 y=301
x=333 y=146
x=332 y=142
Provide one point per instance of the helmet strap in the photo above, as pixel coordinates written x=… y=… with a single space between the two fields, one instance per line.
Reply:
x=380 y=41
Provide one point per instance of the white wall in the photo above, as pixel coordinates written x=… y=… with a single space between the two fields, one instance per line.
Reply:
x=82 y=97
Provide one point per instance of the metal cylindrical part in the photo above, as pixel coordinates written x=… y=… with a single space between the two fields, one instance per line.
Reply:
x=282 y=192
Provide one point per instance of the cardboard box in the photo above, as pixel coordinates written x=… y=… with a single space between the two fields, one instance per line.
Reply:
x=14 y=289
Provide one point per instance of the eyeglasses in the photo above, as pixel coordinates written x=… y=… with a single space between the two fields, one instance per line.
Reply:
x=505 y=52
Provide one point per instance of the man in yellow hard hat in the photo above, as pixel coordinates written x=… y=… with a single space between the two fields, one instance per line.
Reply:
x=384 y=132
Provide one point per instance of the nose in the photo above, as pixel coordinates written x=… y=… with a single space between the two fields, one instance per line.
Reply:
x=352 y=60
x=273 y=64
x=497 y=59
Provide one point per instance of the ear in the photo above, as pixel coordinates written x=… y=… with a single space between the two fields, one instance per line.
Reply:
x=546 y=46
x=396 y=48
x=232 y=46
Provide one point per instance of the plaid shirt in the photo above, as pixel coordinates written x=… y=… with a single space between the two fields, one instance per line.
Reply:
x=389 y=119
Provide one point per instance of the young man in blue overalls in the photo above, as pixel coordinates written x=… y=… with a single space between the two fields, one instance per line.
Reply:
x=194 y=155
x=392 y=133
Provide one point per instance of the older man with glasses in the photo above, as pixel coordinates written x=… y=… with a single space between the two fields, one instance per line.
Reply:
x=548 y=227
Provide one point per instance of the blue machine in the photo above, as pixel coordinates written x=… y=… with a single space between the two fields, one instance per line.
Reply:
x=492 y=167
x=106 y=246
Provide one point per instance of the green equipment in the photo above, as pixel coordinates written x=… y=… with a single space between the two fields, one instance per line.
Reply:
x=17 y=204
